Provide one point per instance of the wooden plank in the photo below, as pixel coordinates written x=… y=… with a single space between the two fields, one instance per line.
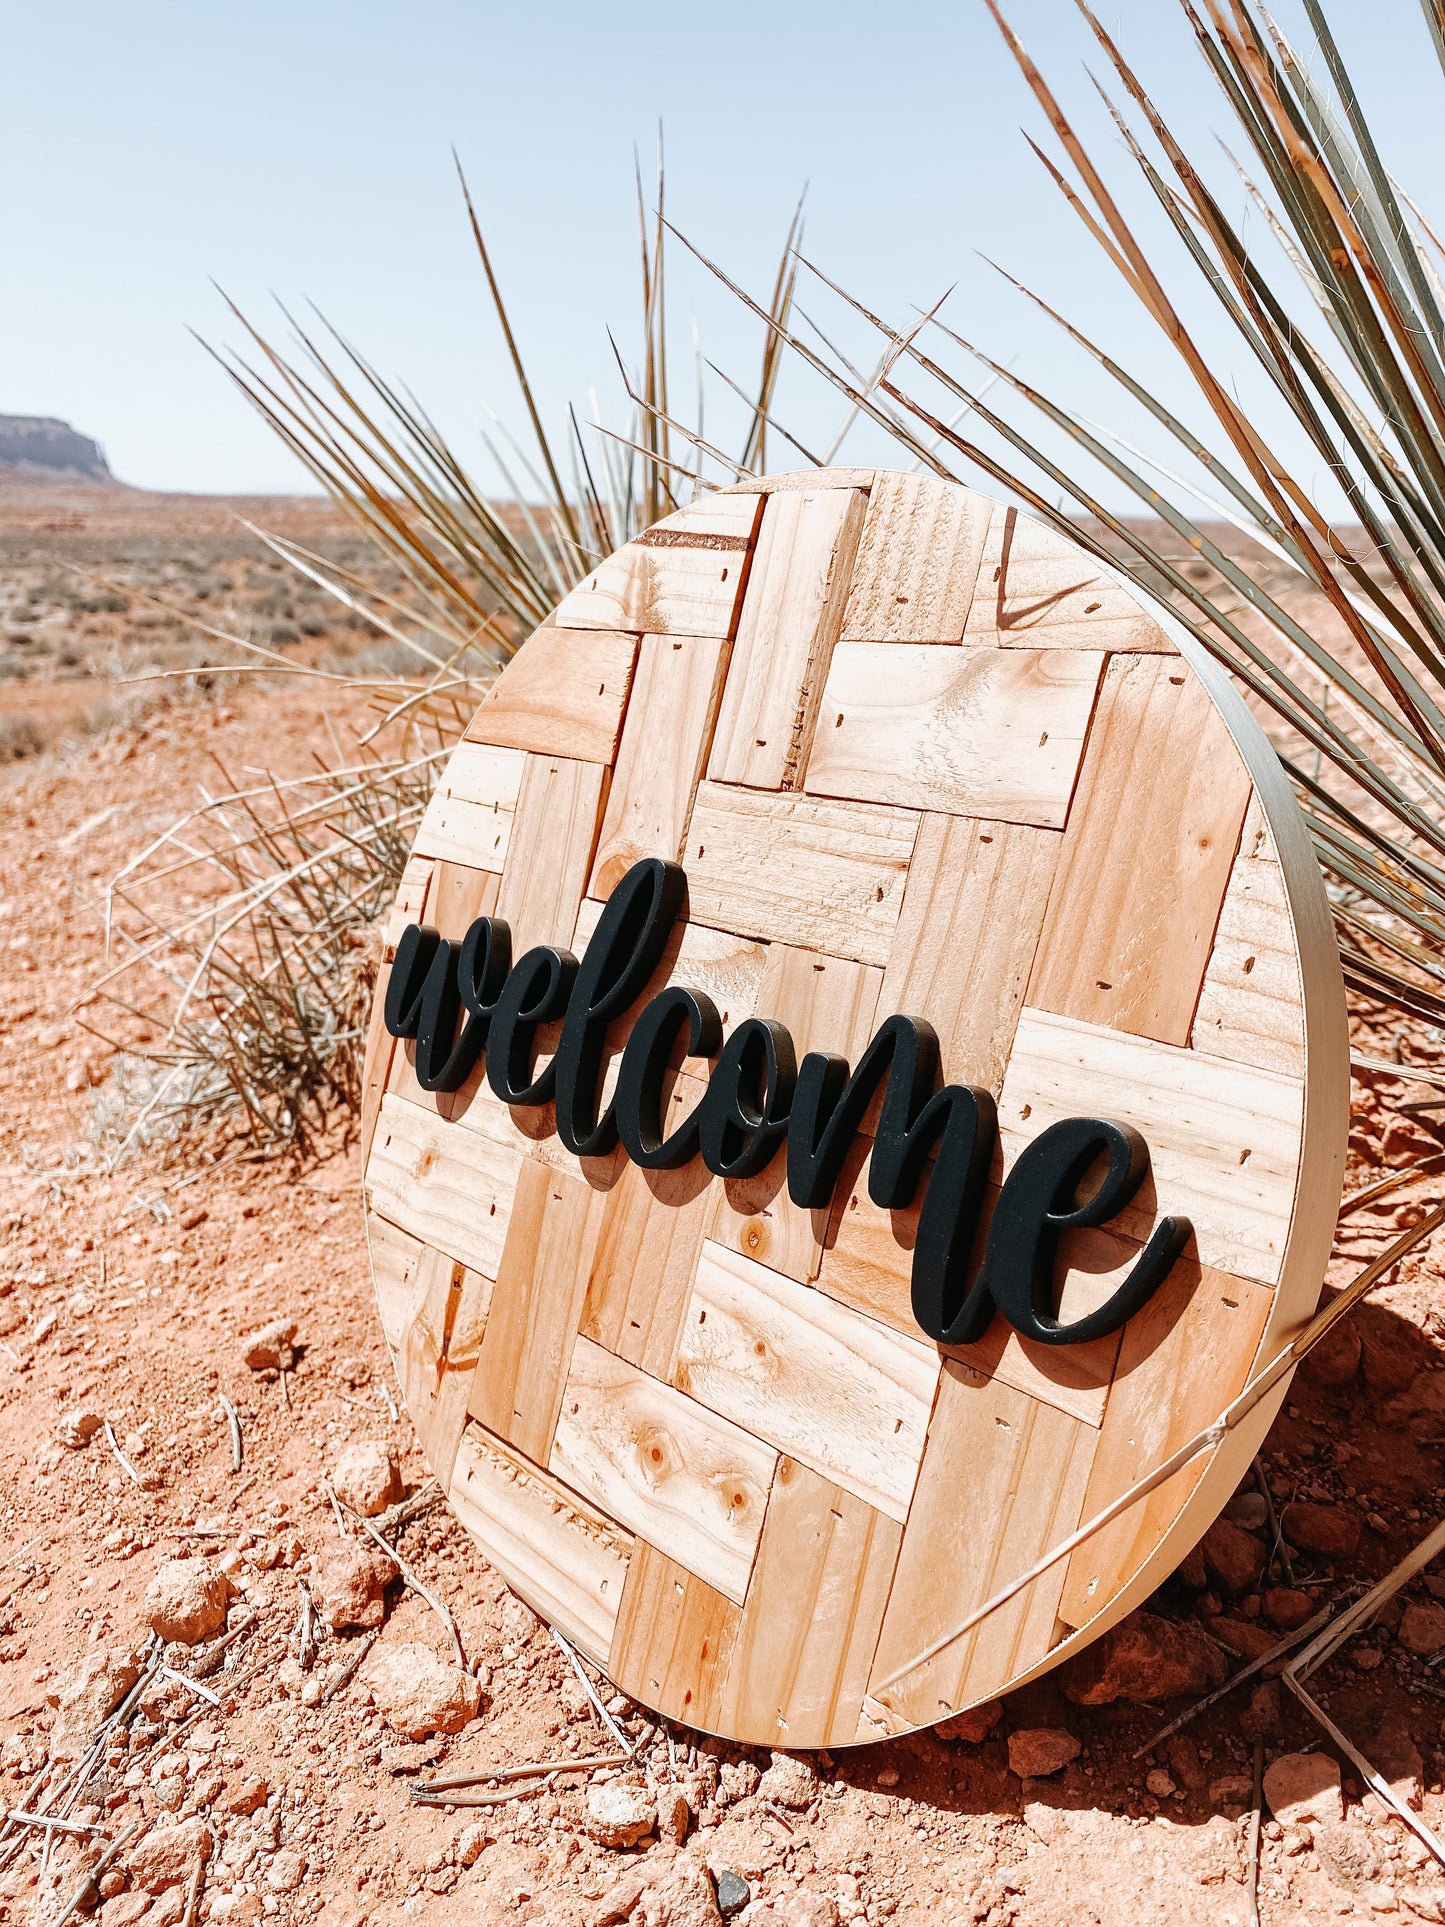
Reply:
x=469 y=817
x=682 y=577
x=790 y=621
x=525 y=1353
x=446 y=1185
x=395 y=1263
x=562 y=694
x=376 y=1066
x=410 y=900
x=967 y=937
x=825 y=876
x=554 y=833
x=674 y=1640
x=1183 y=1357
x=728 y=968
x=567 y=1560
x=648 y=1245
x=806 y=478
x=457 y=895
x=664 y=1465
x=1223 y=1137
x=1037 y=591
x=440 y=1353
x=804 y=1642
x=1146 y=855
x=826 y=1004
x=661 y=755
x=1003 y=1479
x=918 y=561
x=846 y=1396
x=1250 y=1005
x=976 y=732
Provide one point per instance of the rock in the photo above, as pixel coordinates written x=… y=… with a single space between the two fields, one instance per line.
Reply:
x=418 y=1694
x=619 y=1901
x=1391 y=1353
x=1335 y=1359
x=1159 y=1783
x=1260 y=1720
x=1231 y=1790
x=77 y=1427
x=349 y=1582
x=124 y=1910
x=1247 y=1509
x=166 y=1855
x=737 y=1780
x=1144 y=1657
x=367 y=1478
x=1304 y=1787
x=1378 y=1720
x=1422 y=1627
x=286 y=1871
x=1333 y=1530
x=789 y=1781
x=272 y=1348
x=1190 y=1570
x=802 y=1909
x=238 y=1910
x=1232 y=1557
x=187 y=1600
x=472 y=1841
x=674 y=1816
x=974 y=1725
x=619 y=1815
x=168 y=1908
x=249 y=1796
x=1244 y=1637
x=1184 y=1761
x=95 y=1689
x=1286 y=1607
x=733 y=1892
x=1347 y=1855
x=683 y=1897
x=1036 y=1751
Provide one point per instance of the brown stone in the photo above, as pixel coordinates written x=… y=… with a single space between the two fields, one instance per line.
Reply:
x=1391 y=1354
x=418 y=1694
x=77 y=1427
x=1347 y=1856
x=1190 y=1570
x=1184 y=1761
x=619 y=1815
x=349 y=1582
x=1304 y=1787
x=1333 y=1530
x=1378 y=1720
x=124 y=1910
x=272 y=1348
x=1260 y=1720
x=1144 y=1657
x=974 y=1725
x=1036 y=1751
x=789 y=1781
x=1286 y=1607
x=94 y=1690
x=165 y=1857
x=1335 y=1359
x=1246 y=1638
x=248 y=1796
x=367 y=1478
x=186 y=1600
x=1422 y=1627
x=1233 y=1558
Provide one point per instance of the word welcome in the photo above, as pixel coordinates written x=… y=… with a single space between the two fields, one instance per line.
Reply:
x=759 y=1097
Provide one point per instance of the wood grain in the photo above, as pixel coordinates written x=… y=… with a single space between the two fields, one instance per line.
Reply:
x=1146 y=856
x=825 y=876
x=976 y=732
x=410 y=899
x=917 y=562
x=1250 y=1004
x=554 y=834
x=683 y=577
x=728 y=968
x=376 y=1070
x=661 y=755
x=846 y=1396
x=517 y=1388
x=1223 y=1137
x=662 y=1464
x=802 y=478
x=674 y=1640
x=790 y=620
x=567 y=1560
x=967 y=937
x=1194 y=1337
x=439 y=1355
x=395 y=1263
x=1003 y=1479
x=447 y=1185
x=456 y=896
x=1037 y=591
x=469 y=817
x=563 y=695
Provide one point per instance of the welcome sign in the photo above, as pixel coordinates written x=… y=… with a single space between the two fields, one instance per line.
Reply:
x=858 y=1076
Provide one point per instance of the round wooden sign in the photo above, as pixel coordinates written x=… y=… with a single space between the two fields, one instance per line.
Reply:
x=859 y=1076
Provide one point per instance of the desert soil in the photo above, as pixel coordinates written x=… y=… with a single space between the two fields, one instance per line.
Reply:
x=129 y=1292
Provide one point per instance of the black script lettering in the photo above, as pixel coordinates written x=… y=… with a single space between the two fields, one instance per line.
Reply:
x=535 y=993
x=1039 y=1201
x=744 y=1116
x=626 y=947
x=431 y=979
x=638 y=1103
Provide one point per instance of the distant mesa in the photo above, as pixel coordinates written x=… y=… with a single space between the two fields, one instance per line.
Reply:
x=38 y=445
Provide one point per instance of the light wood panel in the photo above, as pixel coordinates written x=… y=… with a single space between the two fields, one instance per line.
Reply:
x=918 y=561
x=563 y=695
x=674 y=1640
x=554 y=834
x=456 y=896
x=825 y=876
x=846 y=1396
x=683 y=577
x=1036 y=591
x=527 y=1348
x=1174 y=1356
x=469 y=817
x=1223 y=1137
x=1003 y=1479
x=977 y=732
x=790 y=620
x=728 y=969
x=784 y=481
x=1146 y=857
x=451 y=1187
x=661 y=755
x=1249 y=1007
x=566 y=1559
x=663 y=1464
x=410 y=899
x=439 y=1356
x=967 y=937
x=395 y=1264
x=380 y=1049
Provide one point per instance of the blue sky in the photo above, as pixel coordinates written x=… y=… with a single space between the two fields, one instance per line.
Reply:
x=302 y=148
